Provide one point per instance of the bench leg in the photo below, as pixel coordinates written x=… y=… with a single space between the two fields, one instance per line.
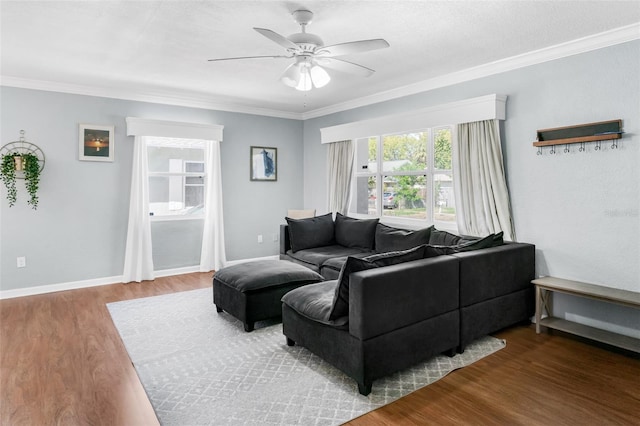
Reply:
x=248 y=326
x=290 y=342
x=218 y=309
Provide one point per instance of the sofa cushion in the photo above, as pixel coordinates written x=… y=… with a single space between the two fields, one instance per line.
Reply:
x=341 y=298
x=443 y=238
x=311 y=232
x=316 y=257
x=388 y=238
x=314 y=301
x=331 y=268
x=351 y=232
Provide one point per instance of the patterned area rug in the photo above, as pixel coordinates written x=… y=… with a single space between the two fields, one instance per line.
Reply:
x=199 y=367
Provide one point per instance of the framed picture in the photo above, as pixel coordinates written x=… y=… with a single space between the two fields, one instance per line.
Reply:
x=96 y=143
x=263 y=163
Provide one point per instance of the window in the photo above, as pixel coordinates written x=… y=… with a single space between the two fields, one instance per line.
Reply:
x=176 y=177
x=405 y=177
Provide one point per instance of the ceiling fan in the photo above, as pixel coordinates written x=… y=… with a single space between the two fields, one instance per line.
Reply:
x=311 y=56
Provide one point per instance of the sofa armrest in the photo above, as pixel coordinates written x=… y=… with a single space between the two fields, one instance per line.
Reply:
x=392 y=297
x=285 y=243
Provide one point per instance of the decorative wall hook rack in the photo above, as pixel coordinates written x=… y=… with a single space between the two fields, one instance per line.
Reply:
x=582 y=133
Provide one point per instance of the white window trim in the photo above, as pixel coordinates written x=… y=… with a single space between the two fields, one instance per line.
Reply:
x=475 y=109
x=173 y=129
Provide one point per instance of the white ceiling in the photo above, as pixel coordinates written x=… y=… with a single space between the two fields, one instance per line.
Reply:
x=158 y=50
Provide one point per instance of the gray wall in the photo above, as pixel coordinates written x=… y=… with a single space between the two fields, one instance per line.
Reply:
x=579 y=209
x=79 y=230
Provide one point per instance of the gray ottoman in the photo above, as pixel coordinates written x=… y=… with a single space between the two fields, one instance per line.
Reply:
x=252 y=291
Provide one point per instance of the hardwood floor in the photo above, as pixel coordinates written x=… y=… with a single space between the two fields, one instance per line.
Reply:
x=63 y=363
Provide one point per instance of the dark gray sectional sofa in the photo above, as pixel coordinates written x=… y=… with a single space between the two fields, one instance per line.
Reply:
x=395 y=297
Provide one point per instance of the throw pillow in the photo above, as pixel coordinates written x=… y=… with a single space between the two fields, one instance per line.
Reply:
x=388 y=238
x=491 y=240
x=395 y=257
x=340 y=306
x=435 y=250
x=351 y=232
x=312 y=232
x=443 y=238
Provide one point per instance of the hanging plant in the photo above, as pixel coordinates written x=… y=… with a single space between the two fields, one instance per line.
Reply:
x=31 y=178
x=8 y=174
x=31 y=169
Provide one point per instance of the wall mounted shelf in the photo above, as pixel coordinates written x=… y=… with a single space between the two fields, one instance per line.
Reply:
x=582 y=133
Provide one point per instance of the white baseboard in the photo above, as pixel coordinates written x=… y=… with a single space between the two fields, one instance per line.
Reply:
x=236 y=262
x=176 y=271
x=52 y=288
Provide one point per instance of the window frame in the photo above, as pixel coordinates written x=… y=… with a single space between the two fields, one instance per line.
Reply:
x=429 y=172
x=183 y=174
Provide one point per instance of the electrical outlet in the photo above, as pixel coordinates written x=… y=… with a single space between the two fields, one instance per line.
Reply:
x=21 y=262
x=275 y=238
x=260 y=239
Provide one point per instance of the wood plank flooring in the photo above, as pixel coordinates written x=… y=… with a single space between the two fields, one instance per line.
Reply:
x=62 y=363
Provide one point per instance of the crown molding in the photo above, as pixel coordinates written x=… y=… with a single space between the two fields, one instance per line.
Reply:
x=165 y=98
x=570 y=48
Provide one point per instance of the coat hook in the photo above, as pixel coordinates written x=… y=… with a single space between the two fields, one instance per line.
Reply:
x=614 y=144
x=552 y=150
x=566 y=149
x=581 y=149
x=598 y=145
x=539 y=150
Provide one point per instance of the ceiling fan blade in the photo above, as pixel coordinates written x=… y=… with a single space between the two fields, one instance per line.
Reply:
x=353 y=47
x=345 y=66
x=250 y=57
x=281 y=40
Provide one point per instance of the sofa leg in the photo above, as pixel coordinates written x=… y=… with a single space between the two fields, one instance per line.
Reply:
x=248 y=326
x=290 y=342
x=460 y=349
x=218 y=309
x=450 y=353
x=364 y=388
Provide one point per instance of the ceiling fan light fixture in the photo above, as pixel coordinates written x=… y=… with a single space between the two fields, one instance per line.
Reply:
x=291 y=76
x=319 y=76
x=311 y=55
x=304 y=83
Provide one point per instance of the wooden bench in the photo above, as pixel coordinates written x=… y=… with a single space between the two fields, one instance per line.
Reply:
x=547 y=285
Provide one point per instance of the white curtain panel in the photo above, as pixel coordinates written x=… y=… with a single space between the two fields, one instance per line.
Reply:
x=138 y=260
x=482 y=197
x=340 y=161
x=213 y=255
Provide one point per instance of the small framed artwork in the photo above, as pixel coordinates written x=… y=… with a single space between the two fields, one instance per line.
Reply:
x=96 y=143
x=263 y=163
